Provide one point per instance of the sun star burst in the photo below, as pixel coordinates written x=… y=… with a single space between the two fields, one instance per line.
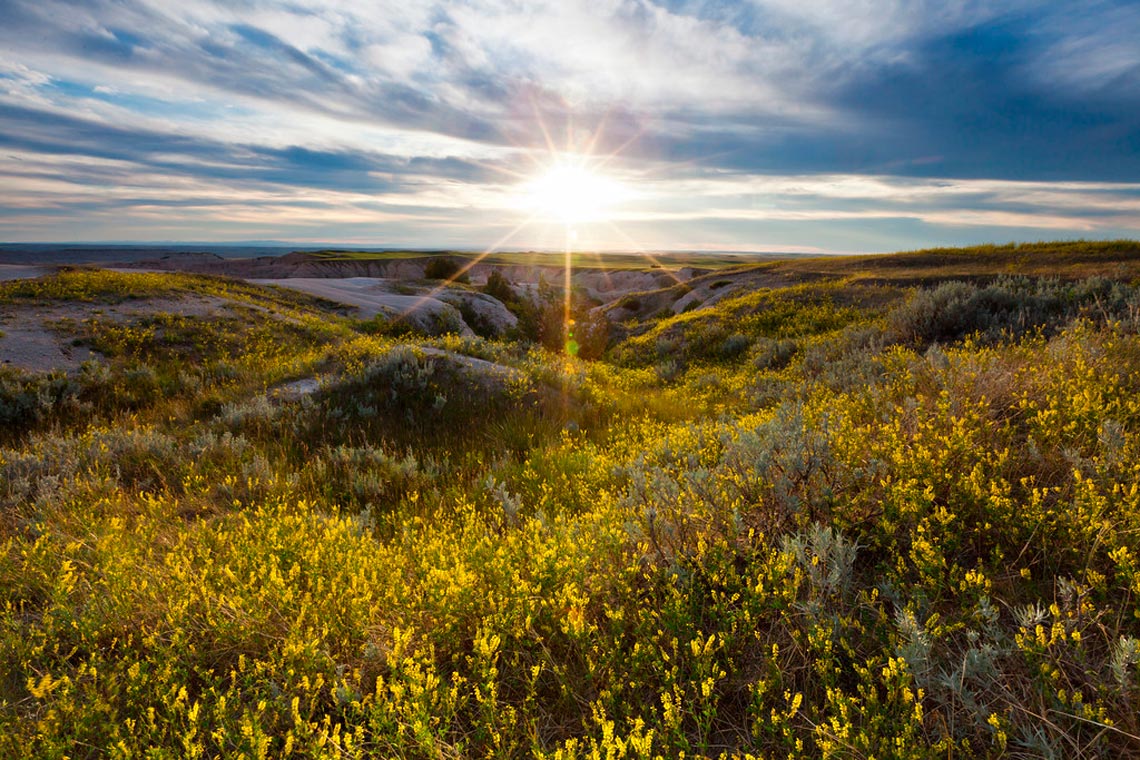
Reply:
x=571 y=192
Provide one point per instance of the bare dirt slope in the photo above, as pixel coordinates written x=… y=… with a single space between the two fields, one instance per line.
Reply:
x=21 y=271
x=433 y=309
x=37 y=338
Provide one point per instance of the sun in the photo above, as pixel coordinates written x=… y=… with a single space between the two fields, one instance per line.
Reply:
x=569 y=191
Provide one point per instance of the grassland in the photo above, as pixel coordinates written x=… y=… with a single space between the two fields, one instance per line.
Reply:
x=578 y=259
x=887 y=508
x=1070 y=260
x=1074 y=259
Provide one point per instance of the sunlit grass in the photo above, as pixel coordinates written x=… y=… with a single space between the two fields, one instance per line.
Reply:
x=824 y=520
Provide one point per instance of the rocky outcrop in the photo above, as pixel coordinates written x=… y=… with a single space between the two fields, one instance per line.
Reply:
x=485 y=315
x=395 y=287
x=600 y=284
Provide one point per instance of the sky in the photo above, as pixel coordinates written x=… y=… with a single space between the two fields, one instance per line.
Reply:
x=765 y=125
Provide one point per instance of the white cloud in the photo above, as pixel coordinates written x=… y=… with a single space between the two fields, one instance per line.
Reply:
x=22 y=84
x=631 y=52
x=402 y=56
x=1086 y=50
x=19 y=74
x=442 y=80
x=861 y=25
x=1076 y=206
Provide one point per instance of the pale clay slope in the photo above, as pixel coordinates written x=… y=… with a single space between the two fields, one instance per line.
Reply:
x=35 y=338
x=21 y=271
x=371 y=296
x=32 y=340
x=30 y=345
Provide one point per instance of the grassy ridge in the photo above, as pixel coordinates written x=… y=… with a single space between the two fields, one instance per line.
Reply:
x=556 y=259
x=837 y=519
x=1078 y=259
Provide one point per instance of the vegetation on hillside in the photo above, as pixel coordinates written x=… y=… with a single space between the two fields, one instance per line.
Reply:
x=1069 y=260
x=616 y=261
x=837 y=519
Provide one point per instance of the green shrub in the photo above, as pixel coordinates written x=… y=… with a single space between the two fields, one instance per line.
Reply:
x=498 y=287
x=445 y=268
x=1010 y=306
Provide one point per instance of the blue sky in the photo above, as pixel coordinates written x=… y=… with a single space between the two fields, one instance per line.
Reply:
x=829 y=125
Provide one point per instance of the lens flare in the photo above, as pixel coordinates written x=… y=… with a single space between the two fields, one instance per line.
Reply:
x=570 y=192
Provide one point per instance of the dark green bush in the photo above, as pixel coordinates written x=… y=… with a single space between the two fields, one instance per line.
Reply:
x=499 y=287
x=444 y=268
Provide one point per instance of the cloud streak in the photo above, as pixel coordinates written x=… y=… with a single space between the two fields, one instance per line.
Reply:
x=411 y=123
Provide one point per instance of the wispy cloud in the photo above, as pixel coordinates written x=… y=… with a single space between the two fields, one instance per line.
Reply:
x=736 y=121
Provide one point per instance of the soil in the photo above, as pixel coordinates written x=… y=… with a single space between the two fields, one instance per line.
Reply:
x=32 y=337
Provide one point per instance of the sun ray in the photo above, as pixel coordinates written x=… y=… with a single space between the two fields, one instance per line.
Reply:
x=604 y=160
x=542 y=126
x=642 y=252
x=572 y=190
x=436 y=290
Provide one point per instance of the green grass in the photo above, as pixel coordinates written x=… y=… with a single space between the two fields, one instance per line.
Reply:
x=1070 y=259
x=843 y=518
x=555 y=259
x=91 y=285
x=335 y=255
